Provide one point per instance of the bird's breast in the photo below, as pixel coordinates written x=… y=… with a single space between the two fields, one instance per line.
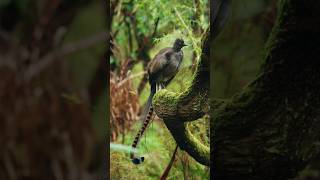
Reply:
x=173 y=66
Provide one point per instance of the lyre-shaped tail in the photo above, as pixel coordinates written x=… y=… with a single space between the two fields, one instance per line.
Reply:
x=147 y=117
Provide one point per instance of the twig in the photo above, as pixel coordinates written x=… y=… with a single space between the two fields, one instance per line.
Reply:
x=131 y=77
x=167 y=170
x=190 y=33
x=155 y=28
x=129 y=35
x=117 y=31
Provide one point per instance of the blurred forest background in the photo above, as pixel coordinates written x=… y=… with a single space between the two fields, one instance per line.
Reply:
x=239 y=49
x=239 y=52
x=53 y=89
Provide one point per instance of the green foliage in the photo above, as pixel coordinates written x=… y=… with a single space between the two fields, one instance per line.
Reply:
x=200 y=129
x=167 y=11
x=176 y=15
x=157 y=152
x=182 y=17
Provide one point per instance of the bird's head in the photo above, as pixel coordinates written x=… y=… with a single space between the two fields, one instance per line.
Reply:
x=178 y=44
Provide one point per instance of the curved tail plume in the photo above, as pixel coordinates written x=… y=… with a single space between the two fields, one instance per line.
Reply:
x=147 y=117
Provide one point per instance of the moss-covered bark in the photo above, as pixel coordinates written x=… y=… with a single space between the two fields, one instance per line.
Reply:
x=270 y=130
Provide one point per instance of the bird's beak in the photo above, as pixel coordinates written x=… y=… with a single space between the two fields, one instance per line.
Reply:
x=184 y=45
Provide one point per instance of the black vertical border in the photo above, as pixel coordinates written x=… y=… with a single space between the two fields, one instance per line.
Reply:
x=211 y=15
x=106 y=166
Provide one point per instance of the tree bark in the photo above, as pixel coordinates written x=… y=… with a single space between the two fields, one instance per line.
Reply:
x=270 y=130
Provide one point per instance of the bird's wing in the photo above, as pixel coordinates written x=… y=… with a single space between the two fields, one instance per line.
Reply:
x=159 y=62
x=180 y=60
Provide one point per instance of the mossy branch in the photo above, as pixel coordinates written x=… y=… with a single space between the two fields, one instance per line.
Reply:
x=177 y=110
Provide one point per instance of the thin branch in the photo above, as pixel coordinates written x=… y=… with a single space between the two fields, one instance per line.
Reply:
x=167 y=170
x=117 y=31
x=195 y=45
x=129 y=35
x=131 y=77
x=155 y=28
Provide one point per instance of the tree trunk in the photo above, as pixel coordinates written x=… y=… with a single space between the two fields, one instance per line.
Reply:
x=270 y=130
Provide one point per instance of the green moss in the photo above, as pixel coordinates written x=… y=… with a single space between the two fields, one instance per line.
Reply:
x=167 y=98
x=201 y=149
x=200 y=129
x=157 y=152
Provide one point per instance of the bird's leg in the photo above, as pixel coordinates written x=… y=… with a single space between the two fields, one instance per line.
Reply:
x=162 y=85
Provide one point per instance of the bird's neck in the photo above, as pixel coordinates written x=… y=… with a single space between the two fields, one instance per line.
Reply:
x=176 y=49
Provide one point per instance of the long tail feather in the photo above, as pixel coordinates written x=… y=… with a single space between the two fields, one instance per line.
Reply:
x=149 y=102
x=146 y=117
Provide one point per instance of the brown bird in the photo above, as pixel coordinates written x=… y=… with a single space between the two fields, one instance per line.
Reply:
x=161 y=70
